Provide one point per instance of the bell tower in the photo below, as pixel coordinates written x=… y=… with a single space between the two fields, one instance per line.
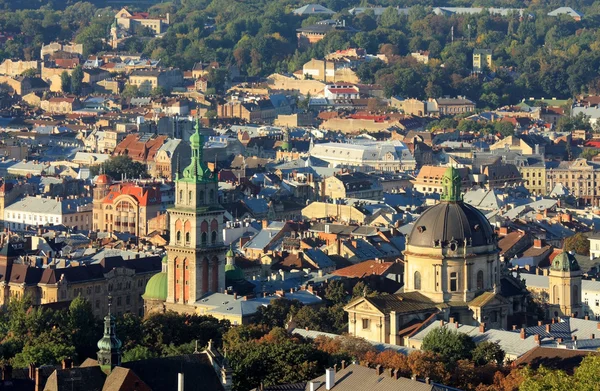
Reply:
x=196 y=253
x=564 y=284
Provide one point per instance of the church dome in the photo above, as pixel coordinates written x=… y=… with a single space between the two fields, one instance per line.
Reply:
x=156 y=288
x=103 y=179
x=164 y=259
x=233 y=273
x=565 y=262
x=451 y=223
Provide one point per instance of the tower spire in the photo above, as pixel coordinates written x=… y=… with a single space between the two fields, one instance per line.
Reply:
x=109 y=353
x=451 y=185
x=197 y=171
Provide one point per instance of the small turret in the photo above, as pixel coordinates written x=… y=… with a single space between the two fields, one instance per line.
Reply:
x=109 y=353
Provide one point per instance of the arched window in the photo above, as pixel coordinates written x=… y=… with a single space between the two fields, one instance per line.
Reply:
x=213 y=237
x=211 y=195
x=417 y=281
x=179 y=236
x=187 y=237
x=480 y=280
x=575 y=296
x=190 y=199
x=180 y=195
x=201 y=197
x=555 y=295
x=204 y=236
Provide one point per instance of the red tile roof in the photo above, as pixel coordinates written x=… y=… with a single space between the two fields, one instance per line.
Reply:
x=144 y=194
x=137 y=150
x=363 y=269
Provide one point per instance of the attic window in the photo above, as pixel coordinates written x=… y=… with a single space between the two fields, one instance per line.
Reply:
x=476 y=227
x=421 y=228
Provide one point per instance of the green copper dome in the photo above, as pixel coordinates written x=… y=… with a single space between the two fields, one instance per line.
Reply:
x=565 y=262
x=109 y=342
x=285 y=146
x=230 y=253
x=156 y=289
x=165 y=259
x=233 y=273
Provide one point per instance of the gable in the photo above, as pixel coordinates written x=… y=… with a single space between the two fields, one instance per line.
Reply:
x=363 y=306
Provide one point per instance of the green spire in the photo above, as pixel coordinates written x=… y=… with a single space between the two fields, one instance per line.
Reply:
x=109 y=353
x=197 y=171
x=451 y=185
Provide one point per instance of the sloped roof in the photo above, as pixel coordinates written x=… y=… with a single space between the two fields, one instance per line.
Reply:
x=313 y=9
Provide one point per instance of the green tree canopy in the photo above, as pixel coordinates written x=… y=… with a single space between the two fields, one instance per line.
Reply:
x=450 y=345
x=121 y=166
x=578 y=243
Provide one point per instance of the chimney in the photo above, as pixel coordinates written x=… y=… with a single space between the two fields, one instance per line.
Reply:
x=482 y=328
x=32 y=370
x=523 y=334
x=343 y=364
x=335 y=368
x=265 y=224
x=38 y=380
x=313 y=385
x=396 y=374
x=180 y=381
x=536 y=338
x=442 y=322
x=451 y=320
x=427 y=380
x=67 y=363
x=548 y=328
x=7 y=372
x=559 y=340
x=329 y=379
x=379 y=369
x=598 y=326
x=537 y=243
x=514 y=327
x=586 y=317
x=593 y=336
x=540 y=323
x=391 y=373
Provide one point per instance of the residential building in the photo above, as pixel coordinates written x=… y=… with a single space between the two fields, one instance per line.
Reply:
x=366 y=156
x=148 y=79
x=341 y=91
x=430 y=178
x=11 y=191
x=482 y=59
x=533 y=172
x=312 y=34
x=581 y=177
x=172 y=153
x=434 y=106
x=261 y=110
x=23 y=85
x=331 y=71
x=124 y=207
x=139 y=147
x=352 y=185
x=63 y=105
x=132 y=21
x=421 y=56
x=16 y=68
x=34 y=211
x=51 y=48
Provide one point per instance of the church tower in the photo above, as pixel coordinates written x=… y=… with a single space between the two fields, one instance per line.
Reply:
x=114 y=35
x=109 y=353
x=564 y=284
x=196 y=253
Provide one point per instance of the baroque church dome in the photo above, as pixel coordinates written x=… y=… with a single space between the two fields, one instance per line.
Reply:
x=451 y=223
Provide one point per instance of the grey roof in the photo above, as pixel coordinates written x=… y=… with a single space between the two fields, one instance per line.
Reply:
x=483 y=199
x=319 y=257
x=170 y=146
x=313 y=9
x=377 y=11
x=48 y=205
x=448 y=221
x=565 y=11
x=264 y=236
x=509 y=341
x=592 y=112
x=358 y=378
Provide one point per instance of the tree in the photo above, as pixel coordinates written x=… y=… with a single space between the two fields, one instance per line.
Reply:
x=428 y=364
x=278 y=312
x=578 y=243
x=157 y=92
x=76 y=80
x=84 y=327
x=138 y=353
x=589 y=153
x=118 y=166
x=504 y=128
x=450 y=345
x=335 y=292
x=31 y=72
x=362 y=289
x=130 y=91
x=488 y=352
x=65 y=82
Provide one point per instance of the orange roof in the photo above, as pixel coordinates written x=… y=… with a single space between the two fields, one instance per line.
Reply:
x=363 y=269
x=144 y=194
x=139 y=151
